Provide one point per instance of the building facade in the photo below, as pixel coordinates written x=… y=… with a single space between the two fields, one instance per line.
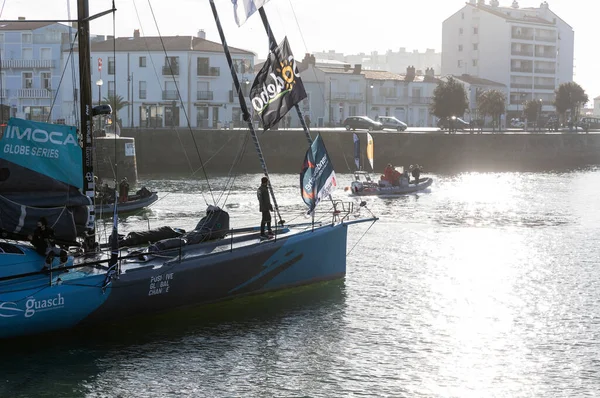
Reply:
x=31 y=68
x=165 y=81
x=529 y=50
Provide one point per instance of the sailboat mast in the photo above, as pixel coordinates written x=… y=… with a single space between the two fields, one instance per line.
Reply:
x=243 y=106
x=273 y=46
x=85 y=88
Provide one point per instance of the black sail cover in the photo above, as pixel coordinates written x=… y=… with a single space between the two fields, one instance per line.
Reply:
x=41 y=176
x=277 y=86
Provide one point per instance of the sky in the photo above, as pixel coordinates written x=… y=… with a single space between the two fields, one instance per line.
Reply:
x=346 y=26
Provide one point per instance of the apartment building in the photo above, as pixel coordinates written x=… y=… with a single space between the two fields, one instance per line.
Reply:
x=165 y=79
x=530 y=50
x=31 y=68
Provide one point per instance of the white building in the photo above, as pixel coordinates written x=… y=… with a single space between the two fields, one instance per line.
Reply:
x=597 y=106
x=530 y=50
x=474 y=86
x=161 y=85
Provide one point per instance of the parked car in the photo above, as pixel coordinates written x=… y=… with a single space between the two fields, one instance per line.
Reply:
x=362 y=122
x=390 y=122
x=452 y=123
x=517 y=123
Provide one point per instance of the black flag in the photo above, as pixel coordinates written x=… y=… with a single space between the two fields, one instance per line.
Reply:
x=277 y=87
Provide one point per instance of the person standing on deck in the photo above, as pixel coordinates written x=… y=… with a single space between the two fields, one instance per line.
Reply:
x=123 y=190
x=264 y=202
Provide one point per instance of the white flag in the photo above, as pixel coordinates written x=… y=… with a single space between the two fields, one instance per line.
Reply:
x=242 y=9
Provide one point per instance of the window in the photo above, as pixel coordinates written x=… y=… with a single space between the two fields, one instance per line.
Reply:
x=46 y=53
x=27 y=53
x=142 y=62
x=26 y=38
x=462 y=15
x=171 y=66
x=202 y=66
x=27 y=80
x=460 y=64
x=460 y=47
x=2 y=38
x=111 y=88
x=475 y=46
x=475 y=30
x=46 y=79
x=142 y=90
x=460 y=31
x=475 y=62
x=111 y=65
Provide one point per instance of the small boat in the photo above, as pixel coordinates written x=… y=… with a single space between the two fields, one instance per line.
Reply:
x=144 y=274
x=133 y=204
x=364 y=185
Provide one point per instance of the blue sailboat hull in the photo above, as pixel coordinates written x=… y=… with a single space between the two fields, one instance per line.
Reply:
x=37 y=305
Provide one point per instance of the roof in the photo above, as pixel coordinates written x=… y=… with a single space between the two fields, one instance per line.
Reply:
x=155 y=43
x=478 y=81
x=25 y=25
x=497 y=11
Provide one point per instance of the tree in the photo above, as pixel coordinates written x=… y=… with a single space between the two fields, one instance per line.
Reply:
x=117 y=102
x=492 y=102
x=532 y=110
x=570 y=97
x=449 y=99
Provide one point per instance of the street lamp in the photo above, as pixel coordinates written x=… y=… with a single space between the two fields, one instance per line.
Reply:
x=367 y=99
x=99 y=84
x=540 y=115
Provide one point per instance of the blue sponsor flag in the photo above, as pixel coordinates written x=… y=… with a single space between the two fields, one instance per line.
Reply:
x=49 y=149
x=317 y=179
x=243 y=9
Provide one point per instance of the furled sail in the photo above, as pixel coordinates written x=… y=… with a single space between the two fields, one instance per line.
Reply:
x=317 y=179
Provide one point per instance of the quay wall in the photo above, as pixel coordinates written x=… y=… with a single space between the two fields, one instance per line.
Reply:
x=179 y=151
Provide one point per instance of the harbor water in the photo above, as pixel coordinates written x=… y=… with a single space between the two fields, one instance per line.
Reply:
x=486 y=285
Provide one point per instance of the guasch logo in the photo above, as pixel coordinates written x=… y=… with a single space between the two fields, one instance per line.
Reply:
x=281 y=81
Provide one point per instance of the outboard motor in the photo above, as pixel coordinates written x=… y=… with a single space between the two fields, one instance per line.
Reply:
x=356 y=186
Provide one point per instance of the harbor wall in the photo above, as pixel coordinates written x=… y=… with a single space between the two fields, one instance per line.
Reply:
x=178 y=152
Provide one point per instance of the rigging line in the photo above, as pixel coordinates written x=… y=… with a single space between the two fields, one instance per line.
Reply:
x=181 y=101
x=236 y=162
x=114 y=116
x=361 y=237
x=62 y=75
x=158 y=80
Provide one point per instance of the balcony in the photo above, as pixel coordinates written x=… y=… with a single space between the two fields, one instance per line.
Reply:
x=521 y=70
x=549 y=39
x=34 y=93
x=545 y=86
x=546 y=55
x=170 y=70
x=523 y=53
x=212 y=71
x=522 y=36
x=169 y=95
x=347 y=96
x=27 y=63
x=521 y=85
x=4 y=93
x=421 y=100
x=545 y=71
x=204 y=95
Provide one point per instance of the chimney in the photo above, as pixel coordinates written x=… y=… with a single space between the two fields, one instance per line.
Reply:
x=21 y=18
x=313 y=60
x=346 y=67
x=410 y=73
x=515 y=4
x=429 y=72
x=357 y=69
x=202 y=34
x=136 y=33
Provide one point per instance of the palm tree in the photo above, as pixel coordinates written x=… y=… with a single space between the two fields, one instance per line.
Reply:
x=117 y=102
x=492 y=102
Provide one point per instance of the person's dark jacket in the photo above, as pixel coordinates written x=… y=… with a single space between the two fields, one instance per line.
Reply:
x=264 y=200
x=41 y=239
